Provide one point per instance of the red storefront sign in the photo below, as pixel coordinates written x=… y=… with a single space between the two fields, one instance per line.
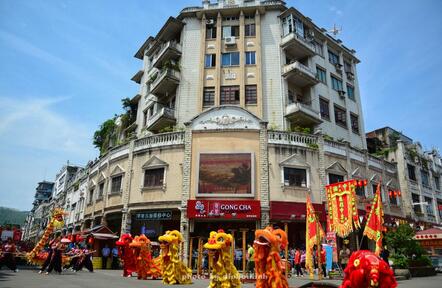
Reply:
x=224 y=209
x=280 y=210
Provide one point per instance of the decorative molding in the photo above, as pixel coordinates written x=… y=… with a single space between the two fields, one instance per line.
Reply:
x=226 y=120
x=225 y=117
x=250 y=75
x=337 y=167
x=154 y=162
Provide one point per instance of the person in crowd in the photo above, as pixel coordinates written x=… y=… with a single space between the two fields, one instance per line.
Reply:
x=238 y=258
x=250 y=259
x=297 y=262
x=385 y=254
x=50 y=251
x=8 y=255
x=105 y=252
x=323 y=261
x=85 y=260
x=58 y=249
x=303 y=256
x=344 y=256
x=115 y=260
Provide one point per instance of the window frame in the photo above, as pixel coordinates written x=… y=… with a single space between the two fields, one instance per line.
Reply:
x=333 y=57
x=338 y=81
x=112 y=184
x=247 y=97
x=286 y=182
x=351 y=96
x=212 y=28
x=252 y=56
x=250 y=30
x=354 y=116
x=208 y=89
x=427 y=184
x=100 y=193
x=162 y=180
x=228 y=89
x=321 y=71
x=343 y=124
x=234 y=31
x=230 y=54
x=323 y=116
x=212 y=60
x=337 y=176
x=411 y=173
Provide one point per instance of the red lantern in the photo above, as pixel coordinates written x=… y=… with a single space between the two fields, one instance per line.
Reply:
x=91 y=240
x=399 y=193
x=365 y=182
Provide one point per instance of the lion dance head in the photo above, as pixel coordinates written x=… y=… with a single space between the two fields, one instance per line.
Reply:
x=268 y=243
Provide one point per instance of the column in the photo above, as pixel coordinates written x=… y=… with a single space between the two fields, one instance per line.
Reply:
x=264 y=175
x=125 y=216
x=218 y=44
x=242 y=61
x=184 y=221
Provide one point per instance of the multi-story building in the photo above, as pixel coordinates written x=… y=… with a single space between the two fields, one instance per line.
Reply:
x=419 y=172
x=77 y=189
x=67 y=172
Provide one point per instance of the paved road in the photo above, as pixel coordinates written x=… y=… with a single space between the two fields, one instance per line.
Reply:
x=111 y=278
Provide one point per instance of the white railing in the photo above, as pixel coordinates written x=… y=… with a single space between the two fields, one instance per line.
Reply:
x=298 y=106
x=375 y=162
x=291 y=138
x=162 y=74
x=357 y=155
x=164 y=47
x=293 y=35
x=335 y=147
x=160 y=140
x=163 y=112
x=300 y=67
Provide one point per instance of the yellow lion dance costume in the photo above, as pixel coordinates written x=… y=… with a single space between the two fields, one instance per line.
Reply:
x=268 y=243
x=173 y=269
x=36 y=256
x=223 y=272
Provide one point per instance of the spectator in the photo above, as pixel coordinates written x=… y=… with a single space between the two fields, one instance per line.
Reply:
x=105 y=252
x=250 y=259
x=238 y=259
x=298 y=262
x=115 y=260
x=385 y=254
x=344 y=256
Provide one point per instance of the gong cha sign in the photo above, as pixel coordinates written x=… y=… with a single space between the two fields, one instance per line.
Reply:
x=224 y=209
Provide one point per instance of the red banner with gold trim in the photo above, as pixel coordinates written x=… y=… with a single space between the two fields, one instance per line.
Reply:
x=342 y=210
x=311 y=234
x=375 y=221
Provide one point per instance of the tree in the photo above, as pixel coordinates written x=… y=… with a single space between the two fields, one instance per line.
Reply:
x=402 y=242
x=105 y=135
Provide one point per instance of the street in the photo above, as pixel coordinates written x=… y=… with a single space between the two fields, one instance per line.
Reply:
x=112 y=278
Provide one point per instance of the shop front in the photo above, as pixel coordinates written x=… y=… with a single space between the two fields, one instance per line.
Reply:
x=154 y=223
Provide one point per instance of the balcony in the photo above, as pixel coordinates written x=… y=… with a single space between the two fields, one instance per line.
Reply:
x=303 y=115
x=167 y=52
x=299 y=74
x=163 y=118
x=165 y=82
x=297 y=46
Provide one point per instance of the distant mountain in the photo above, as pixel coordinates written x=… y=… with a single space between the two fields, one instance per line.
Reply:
x=12 y=216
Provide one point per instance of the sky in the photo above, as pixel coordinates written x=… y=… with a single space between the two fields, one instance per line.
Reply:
x=65 y=66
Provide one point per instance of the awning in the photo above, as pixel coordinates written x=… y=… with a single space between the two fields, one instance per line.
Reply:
x=104 y=236
x=281 y=210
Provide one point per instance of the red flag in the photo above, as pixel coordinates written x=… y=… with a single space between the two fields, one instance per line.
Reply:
x=375 y=221
x=311 y=233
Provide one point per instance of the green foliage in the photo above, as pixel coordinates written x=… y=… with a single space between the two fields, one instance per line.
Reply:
x=299 y=129
x=383 y=152
x=273 y=127
x=166 y=129
x=402 y=242
x=400 y=261
x=328 y=137
x=11 y=216
x=420 y=261
x=105 y=136
x=313 y=146
x=394 y=137
x=171 y=65
x=153 y=77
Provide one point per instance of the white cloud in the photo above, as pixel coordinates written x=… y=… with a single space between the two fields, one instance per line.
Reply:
x=34 y=123
x=336 y=10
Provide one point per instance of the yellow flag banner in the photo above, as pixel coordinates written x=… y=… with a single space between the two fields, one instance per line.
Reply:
x=312 y=231
x=342 y=210
x=375 y=221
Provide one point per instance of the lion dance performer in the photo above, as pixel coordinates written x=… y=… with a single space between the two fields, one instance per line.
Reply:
x=127 y=255
x=145 y=264
x=223 y=272
x=366 y=270
x=268 y=244
x=173 y=269
x=36 y=256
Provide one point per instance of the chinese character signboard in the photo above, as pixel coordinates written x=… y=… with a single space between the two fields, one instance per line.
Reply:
x=224 y=209
x=154 y=215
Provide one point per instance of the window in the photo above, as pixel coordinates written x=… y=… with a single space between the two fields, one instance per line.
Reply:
x=393 y=200
x=411 y=172
x=209 y=96
x=250 y=58
x=354 y=121
x=144 y=117
x=425 y=178
x=210 y=60
x=251 y=94
x=321 y=75
x=100 y=190
x=229 y=95
x=291 y=96
x=230 y=31
x=334 y=178
x=437 y=182
x=91 y=197
x=318 y=48
x=153 y=177
x=230 y=59
x=360 y=191
x=295 y=177
x=341 y=116
x=374 y=187
x=116 y=184
x=351 y=92
x=250 y=30
x=429 y=206
x=416 y=199
x=210 y=32
x=333 y=58
x=325 y=110
x=439 y=205
x=336 y=83
x=347 y=67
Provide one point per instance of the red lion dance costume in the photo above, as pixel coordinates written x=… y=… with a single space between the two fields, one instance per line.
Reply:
x=268 y=243
x=366 y=270
x=145 y=264
x=127 y=255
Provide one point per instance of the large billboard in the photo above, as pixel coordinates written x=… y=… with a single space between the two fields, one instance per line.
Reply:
x=226 y=174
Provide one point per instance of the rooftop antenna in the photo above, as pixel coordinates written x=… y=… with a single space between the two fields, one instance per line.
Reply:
x=335 y=30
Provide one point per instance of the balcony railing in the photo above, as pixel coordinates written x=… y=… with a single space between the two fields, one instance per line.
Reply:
x=162 y=77
x=297 y=46
x=163 y=112
x=303 y=114
x=291 y=138
x=160 y=140
x=172 y=46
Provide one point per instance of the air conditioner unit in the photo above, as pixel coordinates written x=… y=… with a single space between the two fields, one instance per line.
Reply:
x=341 y=93
x=210 y=21
x=230 y=41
